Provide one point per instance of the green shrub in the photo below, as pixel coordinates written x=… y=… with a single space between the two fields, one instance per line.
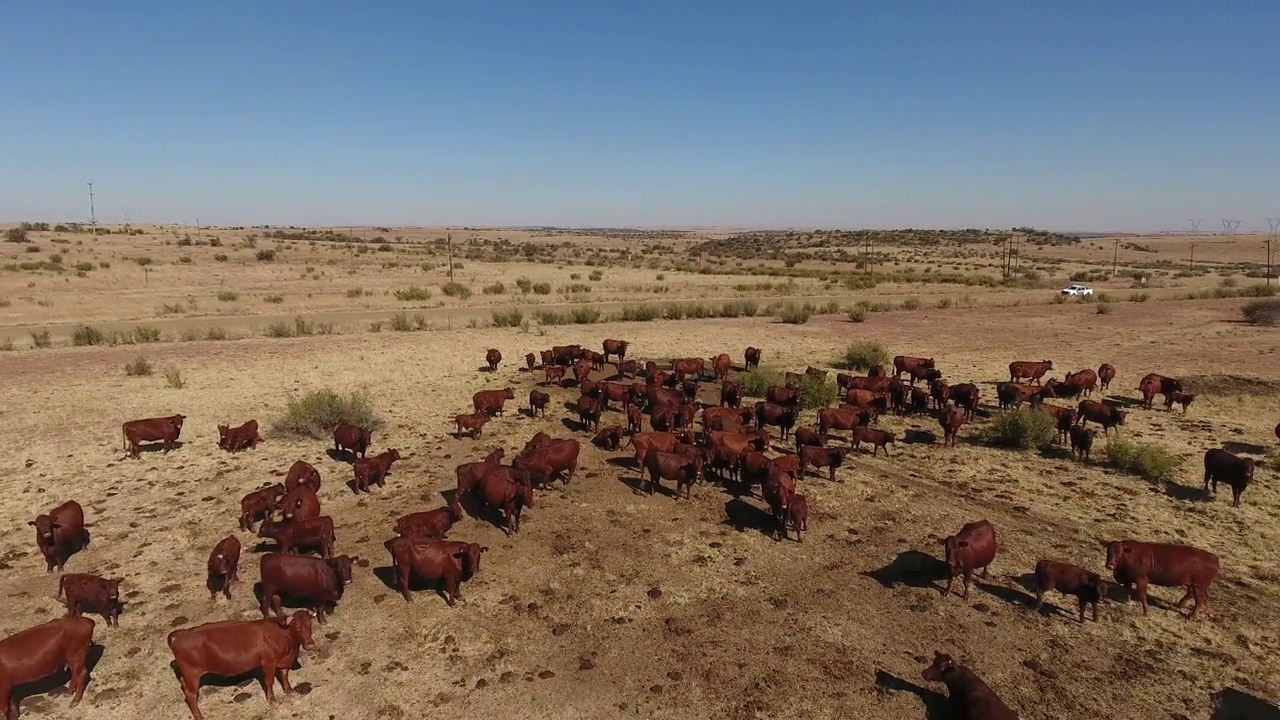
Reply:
x=863 y=355
x=817 y=391
x=596 y=276
x=584 y=315
x=273 y=299
x=41 y=339
x=673 y=311
x=413 y=293
x=16 y=235
x=757 y=382
x=494 y=289
x=507 y=318
x=173 y=378
x=137 y=367
x=1146 y=460
x=640 y=313
x=1104 y=309
x=551 y=317
x=315 y=413
x=858 y=314
x=456 y=289
x=542 y=288
x=86 y=335
x=279 y=329
x=354 y=293
x=793 y=314
x=400 y=322
x=266 y=255
x=1264 y=311
x=1022 y=429
x=525 y=285
x=228 y=295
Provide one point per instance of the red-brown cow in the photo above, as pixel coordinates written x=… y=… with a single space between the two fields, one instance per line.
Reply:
x=751 y=358
x=781 y=416
x=737 y=416
x=951 y=419
x=730 y=394
x=878 y=438
x=588 y=410
x=374 y=470
x=1106 y=373
x=596 y=359
x=1230 y=469
x=491 y=358
x=545 y=463
x=684 y=471
x=906 y=363
x=1179 y=397
x=566 y=354
x=235 y=647
x=1165 y=565
x=224 y=567
x=1012 y=395
x=646 y=442
x=874 y=384
x=688 y=366
x=317 y=583
x=259 y=504
x=582 y=371
x=538 y=403
x=530 y=361
x=973 y=548
x=548 y=358
x=965 y=395
x=507 y=497
x=316 y=532
x=808 y=436
x=553 y=374
x=1065 y=390
x=1153 y=384
x=721 y=365
x=876 y=370
x=470 y=474
x=299 y=503
x=1081 y=441
x=820 y=457
x=302 y=472
x=84 y=592
x=1029 y=369
x=635 y=419
x=1105 y=415
x=164 y=430
x=609 y=438
x=615 y=347
x=1063 y=419
x=778 y=490
x=919 y=400
x=1085 y=379
x=351 y=438
x=724 y=461
x=926 y=374
x=40 y=651
x=783 y=395
x=469 y=424
x=1087 y=587
x=617 y=392
x=60 y=534
x=494 y=456
x=626 y=368
x=489 y=402
x=798 y=516
x=431 y=524
x=452 y=562
x=233 y=439
x=941 y=393
x=840 y=419
x=971 y=698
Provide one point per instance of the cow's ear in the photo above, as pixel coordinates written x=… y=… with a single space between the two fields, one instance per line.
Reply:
x=484 y=549
x=32 y=523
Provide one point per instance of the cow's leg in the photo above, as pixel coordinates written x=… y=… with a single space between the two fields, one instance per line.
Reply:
x=190 y=682
x=269 y=681
x=968 y=578
x=1142 y=594
x=79 y=673
x=951 y=578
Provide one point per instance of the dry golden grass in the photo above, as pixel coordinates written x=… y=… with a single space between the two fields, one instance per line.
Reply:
x=614 y=604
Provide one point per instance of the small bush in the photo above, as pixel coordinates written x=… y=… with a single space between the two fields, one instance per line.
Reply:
x=1145 y=460
x=858 y=314
x=228 y=295
x=640 y=313
x=143 y=260
x=1021 y=429
x=302 y=328
x=84 y=267
x=945 y=303
x=507 y=318
x=185 y=259
x=137 y=367
x=1229 y=282
x=315 y=413
x=86 y=335
x=494 y=289
x=354 y=293
x=660 y=277
x=6 y=345
x=757 y=382
x=173 y=377
x=1139 y=297
x=795 y=314
x=104 y=265
x=525 y=285
x=32 y=249
x=40 y=339
x=16 y=235
x=817 y=391
x=863 y=355
x=375 y=326
x=542 y=288
x=220 y=257
x=279 y=329
x=575 y=288
x=413 y=293
x=584 y=315
x=1104 y=309
x=911 y=304
x=551 y=317
x=1265 y=311
x=456 y=289
x=1104 y=297
x=400 y=322
x=145 y=334
x=266 y=255
x=273 y=299
x=596 y=276
x=215 y=332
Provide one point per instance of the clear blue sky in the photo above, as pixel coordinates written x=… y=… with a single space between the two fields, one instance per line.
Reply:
x=1065 y=115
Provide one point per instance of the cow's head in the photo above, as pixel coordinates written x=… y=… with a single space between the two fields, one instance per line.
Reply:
x=222 y=435
x=113 y=592
x=299 y=627
x=942 y=668
x=1120 y=415
x=526 y=493
x=1249 y=464
x=954 y=546
x=391 y=456
x=177 y=421
x=470 y=558
x=44 y=526
x=1118 y=553
x=698 y=465
x=342 y=567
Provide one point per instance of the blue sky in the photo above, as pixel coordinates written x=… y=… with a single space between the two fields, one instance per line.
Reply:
x=1083 y=115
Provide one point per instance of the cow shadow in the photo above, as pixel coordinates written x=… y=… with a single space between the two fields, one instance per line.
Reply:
x=242 y=680
x=913 y=569
x=1232 y=704
x=575 y=425
x=1232 y=446
x=486 y=369
x=61 y=679
x=743 y=515
x=345 y=456
x=913 y=436
x=1190 y=493
x=625 y=462
x=1119 y=401
x=936 y=705
x=1010 y=595
x=639 y=485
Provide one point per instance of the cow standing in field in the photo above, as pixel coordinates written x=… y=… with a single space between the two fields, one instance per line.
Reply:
x=1234 y=471
x=1106 y=373
x=492 y=358
x=973 y=548
x=906 y=363
x=971 y=698
x=317 y=583
x=1087 y=587
x=261 y=503
x=751 y=358
x=1179 y=397
x=1085 y=379
x=302 y=473
x=951 y=419
x=224 y=567
x=452 y=562
x=164 y=430
x=60 y=534
x=1153 y=384
x=40 y=651
x=1031 y=370
x=721 y=365
x=82 y=591
x=233 y=439
x=1105 y=415
x=616 y=348
x=1167 y=565
x=489 y=402
x=538 y=403
x=351 y=438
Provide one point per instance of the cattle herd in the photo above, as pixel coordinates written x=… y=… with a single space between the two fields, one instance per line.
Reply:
x=733 y=446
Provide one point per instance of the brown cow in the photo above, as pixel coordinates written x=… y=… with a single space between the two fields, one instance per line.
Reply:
x=259 y=504
x=311 y=533
x=43 y=650
x=684 y=471
x=951 y=419
x=545 y=463
x=445 y=560
x=302 y=472
x=507 y=497
x=730 y=394
x=778 y=490
x=60 y=534
x=688 y=366
x=164 y=430
x=224 y=567
x=1087 y=587
x=971 y=698
x=1179 y=397
x=1031 y=370
x=244 y=436
x=1153 y=384
x=530 y=361
x=919 y=401
x=317 y=583
x=798 y=516
x=808 y=436
x=553 y=374
x=906 y=363
x=1106 y=373
x=783 y=395
x=1063 y=418
x=566 y=354
x=635 y=419
x=876 y=370
x=1085 y=379
x=1062 y=389
x=751 y=358
x=351 y=438
x=941 y=393
x=646 y=442
x=965 y=395
x=615 y=347
x=469 y=424
x=724 y=461
x=609 y=438
x=1081 y=440
x=235 y=647
x=721 y=365
x=588 y=410
x=626 y=368
x=596 y=359
x=973 y=548
x=617 y=392
x=582 y=371
x=538 y=403
x=489 y=402
x=1105 y=415
x=878 y=439
x=548 y=358
x=841 y=419
x=1012 y=395
x=874 y=384
x=782 y=416
x=299 y=503
x=374 y=470
x=491 y=358
x=926 y=374
x=83 y=591
x=494 y=456
x=470 y=474
x=1166 y=565
x=1232 y=470
x=820 y=457
x=431 y=524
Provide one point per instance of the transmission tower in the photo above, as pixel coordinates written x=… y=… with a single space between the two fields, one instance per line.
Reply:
x=1229 y=227
x=1195 y=225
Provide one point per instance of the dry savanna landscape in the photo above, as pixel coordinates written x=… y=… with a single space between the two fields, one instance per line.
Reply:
x=611 y=602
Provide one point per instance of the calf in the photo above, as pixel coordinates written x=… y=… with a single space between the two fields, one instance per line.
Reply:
x=530 y=361
x=807 y=436
x=312 y=532
x=60 y=534
x=299 y=503
x=1179 y=397
x=351 y=438
x=626 y=368
x=374 y=470
x=1082 y=441
x=1153 y=384
x=315 y=582
x=671 y=466
x=232 y=439
x=82 y=591
x=164 y=430
x=537 y=403
x=236 y=647
x=492 y=358
x=259 y=504
x=1105 y=415
x=470 y=424
x=878 y=439
x=43 y=650
x=973 y=548
x=609 y=438
x=820 y=457
x=798 y=516
x=452 y=562
x=971 y=698
x=635 y=419
x=951 y=419
x=431 y=524
x=1166 y=565
x=507 y=497
x=224 y=566
x=1106 y=373
x=1087 y=587
x=1234 y=471
x=302 y=473
x=552 y=374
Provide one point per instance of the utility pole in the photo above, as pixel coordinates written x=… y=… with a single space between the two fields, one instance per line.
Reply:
x=1274 y=224
x=449 y=244
x=1191 y=263
x=1115 y=256
x=93 y=217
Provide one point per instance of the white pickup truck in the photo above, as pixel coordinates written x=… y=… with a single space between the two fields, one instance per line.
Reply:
x=1077 y=290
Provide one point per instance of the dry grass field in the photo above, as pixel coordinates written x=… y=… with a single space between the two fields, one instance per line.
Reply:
x=610 y=603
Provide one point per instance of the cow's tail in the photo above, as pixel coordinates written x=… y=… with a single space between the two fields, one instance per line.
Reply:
x=62 y=581
x=124 y=438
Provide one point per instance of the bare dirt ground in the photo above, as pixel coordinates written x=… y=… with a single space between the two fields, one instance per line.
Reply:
x=614 y=604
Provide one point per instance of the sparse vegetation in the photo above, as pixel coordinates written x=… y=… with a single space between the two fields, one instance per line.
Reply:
x=1264 y=311
x=542 y=288
x=525 y=285
x=1146 y=460
x=137 y=367
x=228 y=295
x=400 y=322
x=863 y=355
x=278 y=329
x=413 y=293
x=639 y=313
x=273 y=299
x=355 y=293
x=508 y=318
x=456 y=289
x=266 y=255
x=757 y=382
x=173 y=378
x=86 y=335
x=41 y=339
x=1021 y=429
x=793 y=314
x=817 y=391
x=911 y=304
x=1104 y=309
x=858 y=314
x=494 y=289
x=315 y=413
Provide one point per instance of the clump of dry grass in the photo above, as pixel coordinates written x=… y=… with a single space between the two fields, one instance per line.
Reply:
x=315 y=413
x=173 y=377
x=137 y=367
